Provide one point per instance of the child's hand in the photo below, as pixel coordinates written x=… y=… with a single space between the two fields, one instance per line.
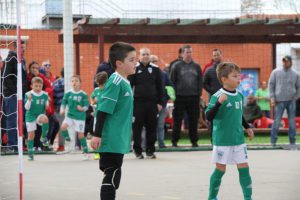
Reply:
x=222 y=98
x=80 y=108
x=250 y=133
x=95 y=142
x=62 y=112
x=29 y=97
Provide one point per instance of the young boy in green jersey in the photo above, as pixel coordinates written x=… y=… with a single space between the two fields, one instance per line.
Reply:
x=100 y=80
x=36 y=103
x=114 y=118
x=225 y=109
x=77 y=102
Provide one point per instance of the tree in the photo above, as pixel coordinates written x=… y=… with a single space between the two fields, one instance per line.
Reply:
x=251 y=6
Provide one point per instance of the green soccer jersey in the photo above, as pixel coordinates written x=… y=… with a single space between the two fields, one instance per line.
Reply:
x=117 y=102
x=37 y=105
x=264 y=104
x=73 y=99
x=227 y=124
x=97 y=93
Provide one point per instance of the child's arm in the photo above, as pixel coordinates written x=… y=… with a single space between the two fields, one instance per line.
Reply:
x=210 y=115
x=47 y=103
x=63 y=104
x=28 y=101
x=248 y=129
x=96 y=140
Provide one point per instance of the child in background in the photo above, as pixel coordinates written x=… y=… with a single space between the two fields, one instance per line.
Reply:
x=114 y=118
x=225 y=109
x=77 y=102
x=100 y=80
x=36 y=103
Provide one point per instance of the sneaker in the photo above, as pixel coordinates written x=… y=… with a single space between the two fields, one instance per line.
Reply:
x=45 y=142
x=162 y=147
x=85 y=157
x=96 y=156
x=60 y=148
x=139 y=155
x=30 y=158
x=151 y=156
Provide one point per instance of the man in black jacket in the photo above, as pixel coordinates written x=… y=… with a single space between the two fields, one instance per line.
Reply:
x=148 y=98
x=210 y=80
x=9 y=78
x=186 y=76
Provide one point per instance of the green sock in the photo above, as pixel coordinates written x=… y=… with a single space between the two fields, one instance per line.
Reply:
x=84 y=145
x=66 y=135
x=30 y=147
x=246 y=182
x=215 y=182
x=45 y=129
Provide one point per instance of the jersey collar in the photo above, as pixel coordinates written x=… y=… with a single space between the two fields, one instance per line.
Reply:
x=229 y=93
x=122 y=77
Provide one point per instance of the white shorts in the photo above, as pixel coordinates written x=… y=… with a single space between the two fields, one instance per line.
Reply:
x=78 y=125
x=230 y=154
x=31 y=126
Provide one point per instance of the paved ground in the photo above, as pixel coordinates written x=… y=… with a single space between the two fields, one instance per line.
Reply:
x=173 y=176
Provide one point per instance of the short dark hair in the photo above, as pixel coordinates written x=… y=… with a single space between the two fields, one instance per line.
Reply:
x=217 y=50
x=36 y=79
x=225 y=68
x=186 y=46
x=62 y=72
x=32 y=63
x=119 y=51
x=101 y=78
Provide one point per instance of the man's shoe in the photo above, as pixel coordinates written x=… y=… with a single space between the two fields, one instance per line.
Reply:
x=195 y=144
x=139 y=155
x=174 y=144
x=151 y=156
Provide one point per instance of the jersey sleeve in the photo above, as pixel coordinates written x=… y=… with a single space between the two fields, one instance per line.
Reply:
x=109 y=97
x=85 y=100
x=93 y=95
x=212 y=103
x=65 y=99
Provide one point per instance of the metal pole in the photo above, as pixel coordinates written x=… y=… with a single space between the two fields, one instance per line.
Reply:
x=68 y=43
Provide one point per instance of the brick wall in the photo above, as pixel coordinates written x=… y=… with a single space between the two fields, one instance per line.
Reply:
x=43 y=44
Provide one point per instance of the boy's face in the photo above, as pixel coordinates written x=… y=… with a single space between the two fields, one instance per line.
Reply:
x=233 y=80
x=127 y=67
x=75 y=82
x=37 y=87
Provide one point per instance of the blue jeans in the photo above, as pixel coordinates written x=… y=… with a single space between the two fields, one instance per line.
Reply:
x=161 y=127
x=10 y=111
x=291 y=109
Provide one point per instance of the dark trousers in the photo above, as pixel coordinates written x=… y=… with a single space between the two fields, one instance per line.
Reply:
x=110 y=164
x=190 y=104
x=145 y=114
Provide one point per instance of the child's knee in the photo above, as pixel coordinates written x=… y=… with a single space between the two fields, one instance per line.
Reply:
x=43 y=119
x=64 y=127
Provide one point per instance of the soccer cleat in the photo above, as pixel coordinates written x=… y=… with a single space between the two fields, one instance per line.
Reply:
x=139 y=155
x=96 y=156
x=45 y=142
x=85 y=157
x=30 y=157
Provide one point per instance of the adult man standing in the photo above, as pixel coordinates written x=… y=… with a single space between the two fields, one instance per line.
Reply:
x=210 y=80
x=284 y=90
x=186 y=76
x=148 y=97
x=9 y=78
